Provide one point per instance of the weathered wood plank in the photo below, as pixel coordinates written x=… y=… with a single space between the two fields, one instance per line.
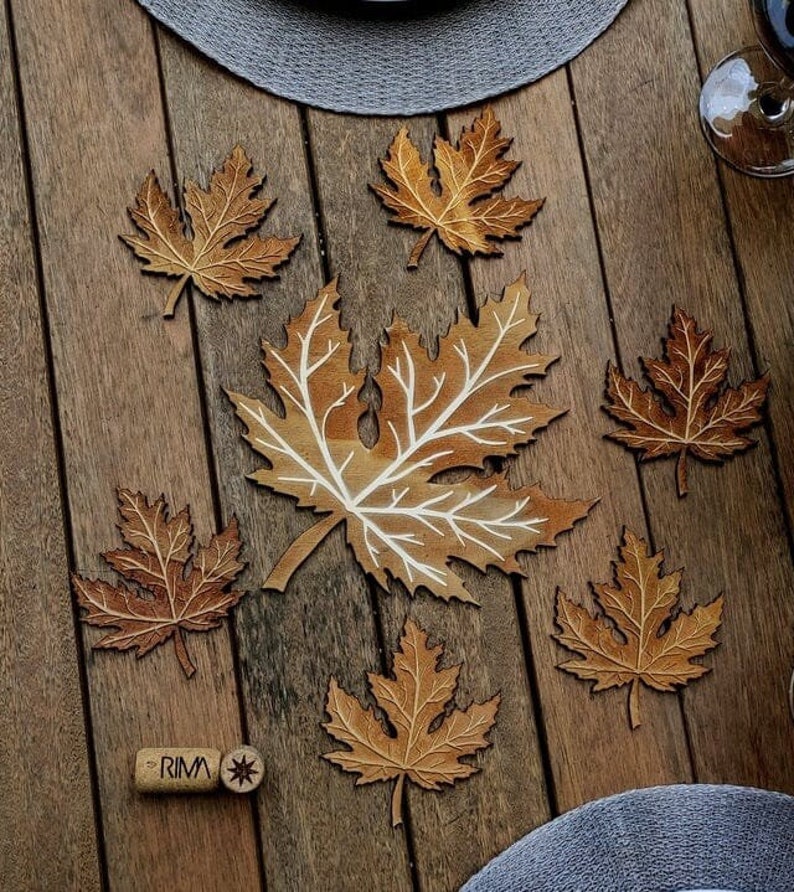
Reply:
x=47 y=828
x=760 y=213
x=139 y=423
x=318 y=831
x=663 y=233
x=569 y=459
x=130 y=415
x=457 y=831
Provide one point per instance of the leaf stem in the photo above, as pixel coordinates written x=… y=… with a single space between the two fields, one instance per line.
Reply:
x=634 y=704
x=297 y=553
x=182 y=655
x=173 y=296
x=680 y=473
x=419 y=248
x=397 y=801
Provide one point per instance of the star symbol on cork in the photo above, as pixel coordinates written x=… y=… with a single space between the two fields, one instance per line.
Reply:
x=242 y=771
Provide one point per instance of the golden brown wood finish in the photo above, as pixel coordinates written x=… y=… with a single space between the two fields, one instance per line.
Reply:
x=559 y=252
x=659 y=214
x=170 y=600
x=458 y=831
x=658 y=641
x=760 y=214
x=48 y=837
x=362 y=248
x=130 y=411
x=684 y=407
x=130 y=415
x=223 y=255
x=415 y=693
x=315 y=826
x=456 y=200
x=436 y=416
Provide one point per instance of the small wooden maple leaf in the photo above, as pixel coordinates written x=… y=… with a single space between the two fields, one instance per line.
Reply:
x=220 y=257
x=436 y=415
x=171 y=599
x=636 y=638
x=692 y=415
x=413 y=700
x=460 y=207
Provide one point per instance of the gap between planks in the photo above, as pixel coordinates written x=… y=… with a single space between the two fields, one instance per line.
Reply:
x=55 y=420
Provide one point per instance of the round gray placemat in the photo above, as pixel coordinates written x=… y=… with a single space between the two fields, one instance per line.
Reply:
x=663 y=839
x=460 y=55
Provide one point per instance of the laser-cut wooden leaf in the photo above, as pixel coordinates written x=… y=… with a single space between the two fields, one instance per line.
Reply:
x=460 y=205
x=413 y=699
x=436 y=415
x=222 y=256
x=170 y=599
x=636 y=638
x=693 y=413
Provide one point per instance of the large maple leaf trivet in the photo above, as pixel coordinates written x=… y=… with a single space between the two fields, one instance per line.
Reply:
x=695 y=414
x=170 y=599
x=222 y=256
x=636 y=638
x=460 y=206
x=436 y=415
x=414 y=700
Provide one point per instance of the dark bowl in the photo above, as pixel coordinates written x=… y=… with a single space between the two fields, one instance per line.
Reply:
x=381 y=8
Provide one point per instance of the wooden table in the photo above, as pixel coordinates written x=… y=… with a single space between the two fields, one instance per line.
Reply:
x=98 y=391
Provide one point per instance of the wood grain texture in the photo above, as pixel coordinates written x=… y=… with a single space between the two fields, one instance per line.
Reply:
x=48 y=837
x=455 y=832
x=760 y=214
x=684 y=408
x=212 y=243
x=130 y=415
x=402 y=520
x=316 y=827
x=560 y=255
x=417 y=693
x=171 y=598
x=364 y=250
x=664 y=239
x=659 y=642
x=455 y=194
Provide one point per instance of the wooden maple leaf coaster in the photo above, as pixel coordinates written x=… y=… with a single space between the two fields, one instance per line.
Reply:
x=436 y=415
x=413 y=699
x=171 y=599
x=223 y=256
x=691 y=415
x=635 y=637
x=459 y=206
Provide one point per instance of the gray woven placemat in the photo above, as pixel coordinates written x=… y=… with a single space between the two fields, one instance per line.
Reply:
x=465 y=53
x=663 y=839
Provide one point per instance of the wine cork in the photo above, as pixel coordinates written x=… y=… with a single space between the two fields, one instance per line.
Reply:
x=177 y=770
x=242 y=770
